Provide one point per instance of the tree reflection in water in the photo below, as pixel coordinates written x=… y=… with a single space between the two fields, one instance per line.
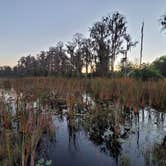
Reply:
x=156 y=155
x=109 y=133
x=72 y=130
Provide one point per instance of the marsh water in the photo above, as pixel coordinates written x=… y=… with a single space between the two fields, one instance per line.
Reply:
x=86 y=139
x=102 y=137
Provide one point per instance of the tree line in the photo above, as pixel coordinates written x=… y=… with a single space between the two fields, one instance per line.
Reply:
x=108 y=38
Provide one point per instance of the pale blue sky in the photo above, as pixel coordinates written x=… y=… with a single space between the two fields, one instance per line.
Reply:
x=29 y=26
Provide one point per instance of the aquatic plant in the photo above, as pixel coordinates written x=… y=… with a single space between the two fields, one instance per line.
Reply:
x=21 y=132
x=28 y=114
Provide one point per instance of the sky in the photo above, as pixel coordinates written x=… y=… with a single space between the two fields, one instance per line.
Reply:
x=29 y=26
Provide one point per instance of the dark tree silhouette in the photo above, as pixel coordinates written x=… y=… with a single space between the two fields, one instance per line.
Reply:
x=163 y=22
x=27 y=66
x=57 y=61
x=75 y=53
x=160 y=65
x=86 y=51
x=6 y=71
x=118 y=34
x=42 y=67
x=99 y=34
x=108 y=38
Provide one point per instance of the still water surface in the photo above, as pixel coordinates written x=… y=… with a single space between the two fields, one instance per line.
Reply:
x=85 y=140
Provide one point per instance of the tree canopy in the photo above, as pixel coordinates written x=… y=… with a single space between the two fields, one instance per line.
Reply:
x=96 y=54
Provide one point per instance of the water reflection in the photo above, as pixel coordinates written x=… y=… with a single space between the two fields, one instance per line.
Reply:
x=157 y=155
x=73 y=128
x=92 y=136
x=99 y=134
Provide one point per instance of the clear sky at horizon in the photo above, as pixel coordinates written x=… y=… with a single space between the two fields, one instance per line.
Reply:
x=29 y=26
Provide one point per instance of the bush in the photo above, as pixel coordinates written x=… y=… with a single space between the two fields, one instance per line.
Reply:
x=146 y=73
x=160 y=65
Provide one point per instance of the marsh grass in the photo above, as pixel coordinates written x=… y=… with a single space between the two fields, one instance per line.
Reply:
x=130 y=93
x=37 y=98
x=21 y=132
